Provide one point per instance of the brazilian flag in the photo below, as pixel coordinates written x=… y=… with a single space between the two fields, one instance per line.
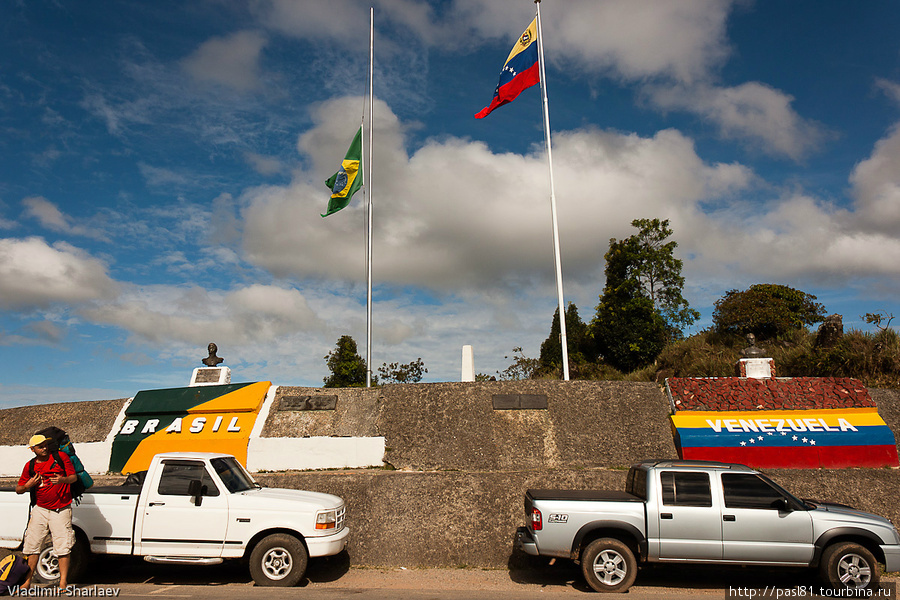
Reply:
x=348 y=179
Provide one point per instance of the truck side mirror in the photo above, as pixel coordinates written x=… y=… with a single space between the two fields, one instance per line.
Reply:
x=195 y=490
x=782 y=505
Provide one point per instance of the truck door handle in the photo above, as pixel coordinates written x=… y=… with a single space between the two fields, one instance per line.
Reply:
x=157 y=504
x=665 y=515
x=728 y=518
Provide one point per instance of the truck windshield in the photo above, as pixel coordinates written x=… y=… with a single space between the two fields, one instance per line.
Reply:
x=233 y=475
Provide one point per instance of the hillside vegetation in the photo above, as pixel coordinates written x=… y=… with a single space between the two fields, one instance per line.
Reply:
x=873 y=358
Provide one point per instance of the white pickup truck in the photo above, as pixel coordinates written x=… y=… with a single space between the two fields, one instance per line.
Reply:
x=194 y=508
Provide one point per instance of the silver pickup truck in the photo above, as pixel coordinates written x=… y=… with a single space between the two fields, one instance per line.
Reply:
x=702 y=512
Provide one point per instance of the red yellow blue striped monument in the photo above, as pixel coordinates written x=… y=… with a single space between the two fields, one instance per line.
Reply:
x=780 y=426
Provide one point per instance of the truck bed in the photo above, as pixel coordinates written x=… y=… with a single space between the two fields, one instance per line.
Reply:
x=584 y=495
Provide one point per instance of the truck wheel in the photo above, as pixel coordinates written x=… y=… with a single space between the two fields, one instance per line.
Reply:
x=849 y=565
x=608 y=565
x=278 y=560
x=47 y=570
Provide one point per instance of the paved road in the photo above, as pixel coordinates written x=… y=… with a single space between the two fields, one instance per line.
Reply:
x=332 y=578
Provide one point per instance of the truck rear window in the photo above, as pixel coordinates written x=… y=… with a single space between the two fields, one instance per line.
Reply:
x=636 y=485
x=685 y=488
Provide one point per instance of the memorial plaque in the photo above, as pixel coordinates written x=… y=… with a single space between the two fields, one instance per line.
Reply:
x=208 y=375
x=519 y=401
x=308 y=403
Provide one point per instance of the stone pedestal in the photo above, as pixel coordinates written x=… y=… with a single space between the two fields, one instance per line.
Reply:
x=210 y=376
x=755 y=368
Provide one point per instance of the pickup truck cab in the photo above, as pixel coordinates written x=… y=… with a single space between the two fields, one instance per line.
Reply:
x=195 y=508
x=703 y=512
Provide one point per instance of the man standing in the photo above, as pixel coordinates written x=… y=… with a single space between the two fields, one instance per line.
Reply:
x=53 y=509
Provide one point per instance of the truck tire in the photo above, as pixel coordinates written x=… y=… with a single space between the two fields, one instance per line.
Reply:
x=278 y=560
x=849 y=565
x=608 y=565
x=47 y=570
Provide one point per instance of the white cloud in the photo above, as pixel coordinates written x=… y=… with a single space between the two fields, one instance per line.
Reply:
x=264 y=165
x=253 y=315
x=455 y=214
x=876 y=186
x=232 y=61
x=37 y=333
x=635 y=40
x=33 y=273
x=50 y=217
x=752 y=111
x=46 y=212
x=892 y=89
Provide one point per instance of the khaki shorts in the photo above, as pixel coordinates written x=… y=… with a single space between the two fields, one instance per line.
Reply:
x=59 y=524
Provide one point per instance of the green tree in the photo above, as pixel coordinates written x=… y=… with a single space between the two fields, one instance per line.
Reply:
x=522 y=367
x=766 y=310
x=580 y=344
x=650 y=260
x=411 y=372
x=629 y=332
x=348 y=369
x=642 y=306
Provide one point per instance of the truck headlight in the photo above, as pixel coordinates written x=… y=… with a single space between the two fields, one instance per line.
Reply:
x=326 y=519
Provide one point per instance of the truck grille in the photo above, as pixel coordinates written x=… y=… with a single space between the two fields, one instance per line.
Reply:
x=341 y=513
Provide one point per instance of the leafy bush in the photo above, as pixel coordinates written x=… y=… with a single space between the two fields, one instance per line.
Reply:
x=766 y=310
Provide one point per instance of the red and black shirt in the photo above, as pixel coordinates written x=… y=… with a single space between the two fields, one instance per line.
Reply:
x=51 y=496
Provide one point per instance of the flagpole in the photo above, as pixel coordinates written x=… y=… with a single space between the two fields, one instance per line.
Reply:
x=559 y=284
x=369 y=204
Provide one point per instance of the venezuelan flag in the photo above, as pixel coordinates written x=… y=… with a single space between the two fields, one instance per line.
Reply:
x=798 y=439
x=519 y=72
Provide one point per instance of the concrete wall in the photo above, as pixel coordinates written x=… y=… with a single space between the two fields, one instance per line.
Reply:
x=84 y=421
x=463 y=467
x=586 y=424
x=427 y=519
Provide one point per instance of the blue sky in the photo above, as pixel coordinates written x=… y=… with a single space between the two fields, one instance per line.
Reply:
x=162 y=167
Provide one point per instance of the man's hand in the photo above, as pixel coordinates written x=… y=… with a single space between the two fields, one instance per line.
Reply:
x=56 y=479
x=35 y=480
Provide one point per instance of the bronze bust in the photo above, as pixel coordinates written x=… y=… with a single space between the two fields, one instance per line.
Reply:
x=212 y=360
x=752 y=351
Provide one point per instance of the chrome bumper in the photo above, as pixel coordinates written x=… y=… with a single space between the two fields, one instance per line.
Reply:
x=525 y=542
x=328 y=545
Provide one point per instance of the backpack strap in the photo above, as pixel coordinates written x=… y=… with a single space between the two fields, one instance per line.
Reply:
x=59 y=461
x=32 y=492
